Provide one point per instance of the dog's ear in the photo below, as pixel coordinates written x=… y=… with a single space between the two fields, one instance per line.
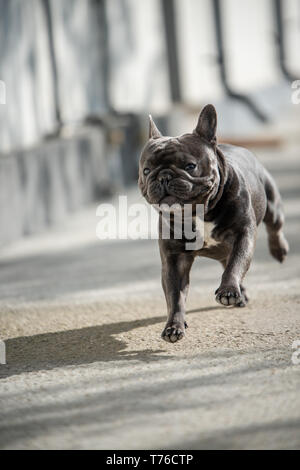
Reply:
x=153 y=131
x=207 y=124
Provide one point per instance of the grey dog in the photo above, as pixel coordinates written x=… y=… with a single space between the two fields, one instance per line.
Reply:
x=237 y=193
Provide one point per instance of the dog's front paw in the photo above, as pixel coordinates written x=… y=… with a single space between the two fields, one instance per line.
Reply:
x=174 y=332
x=244 y=300
x=229 y=295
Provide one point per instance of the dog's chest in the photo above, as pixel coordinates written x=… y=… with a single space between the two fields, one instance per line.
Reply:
x=206 y=229
x=209 y=241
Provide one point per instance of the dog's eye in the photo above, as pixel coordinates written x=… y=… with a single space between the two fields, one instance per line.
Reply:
x=146 y=171
x=190 y=166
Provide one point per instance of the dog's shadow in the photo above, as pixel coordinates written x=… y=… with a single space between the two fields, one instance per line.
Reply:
x=76 y=347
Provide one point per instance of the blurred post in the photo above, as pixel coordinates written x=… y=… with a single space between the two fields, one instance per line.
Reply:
x=103 y=30
x=169 y=14
x=48 y=17
x=223 y=70
x=280 y=38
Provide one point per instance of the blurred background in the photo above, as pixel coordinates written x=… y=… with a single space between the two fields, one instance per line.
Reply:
x=81 y=77
x=81 y=318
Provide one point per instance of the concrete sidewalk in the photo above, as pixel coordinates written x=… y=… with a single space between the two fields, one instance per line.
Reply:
x=86 y=367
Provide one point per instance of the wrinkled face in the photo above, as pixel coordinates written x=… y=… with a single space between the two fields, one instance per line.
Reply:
x=177 y=170
x=181 y=170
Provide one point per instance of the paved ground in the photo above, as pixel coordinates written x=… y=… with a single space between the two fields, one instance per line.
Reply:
x=85 y=364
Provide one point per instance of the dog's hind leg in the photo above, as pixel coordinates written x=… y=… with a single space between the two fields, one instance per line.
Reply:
x=274 y=219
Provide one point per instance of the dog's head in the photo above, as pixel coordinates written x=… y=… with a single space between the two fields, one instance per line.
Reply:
x=181 y=170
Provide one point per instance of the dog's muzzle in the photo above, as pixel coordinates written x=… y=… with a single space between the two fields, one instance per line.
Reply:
x=165 y=176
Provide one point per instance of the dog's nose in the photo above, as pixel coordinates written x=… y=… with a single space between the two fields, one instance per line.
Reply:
x=164 y=176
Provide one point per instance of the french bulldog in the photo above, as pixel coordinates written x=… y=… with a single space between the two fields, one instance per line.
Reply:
x=238 y=194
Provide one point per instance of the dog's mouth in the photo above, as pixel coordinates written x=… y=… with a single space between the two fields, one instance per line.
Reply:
x=176 y=191
x=169 y=200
